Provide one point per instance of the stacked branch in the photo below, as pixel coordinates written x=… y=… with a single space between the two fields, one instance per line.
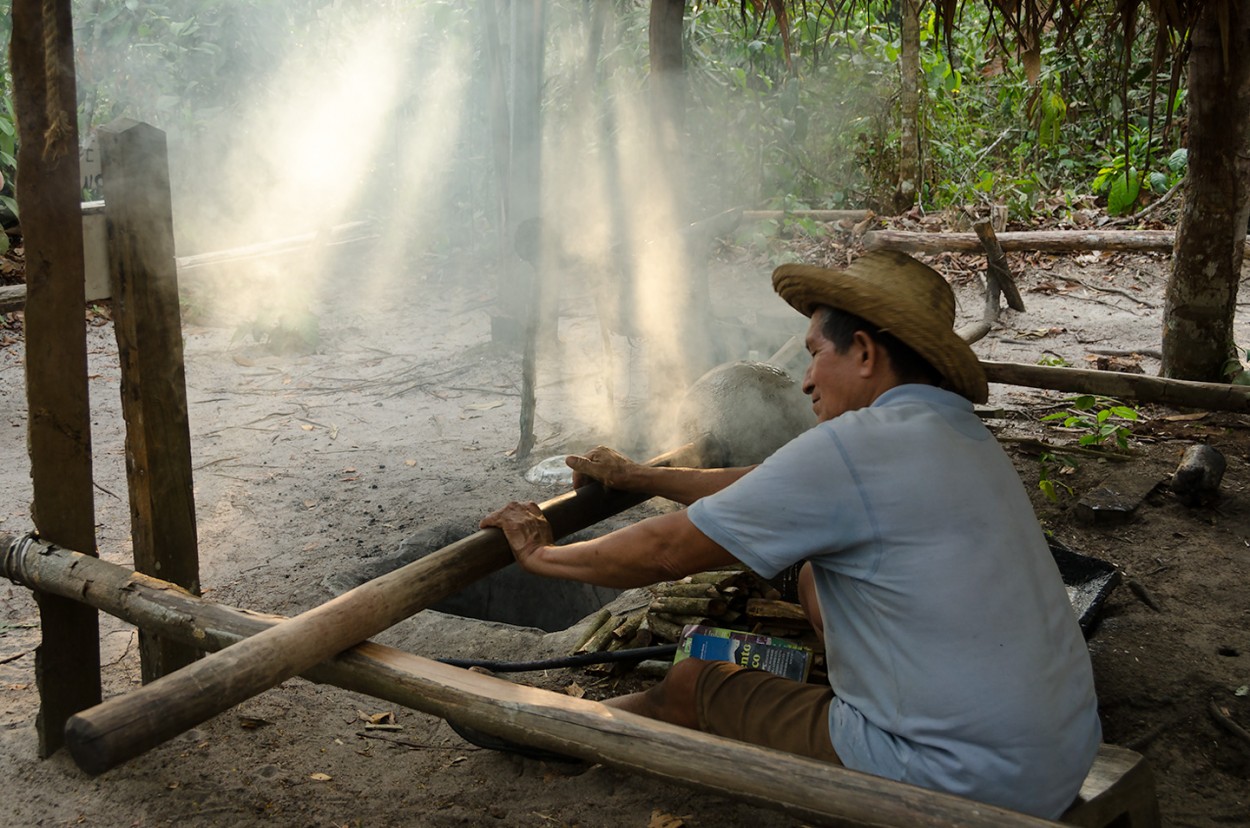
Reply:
x=730 y=598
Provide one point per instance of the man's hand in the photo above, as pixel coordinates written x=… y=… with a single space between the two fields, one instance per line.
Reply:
x=611 y=468
x=524 y=526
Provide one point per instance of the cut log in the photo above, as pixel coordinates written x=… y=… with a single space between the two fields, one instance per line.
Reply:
x=123 y=727
x=1044 y=241
x=1212 y=396
x=814 y=215
x=812 y=791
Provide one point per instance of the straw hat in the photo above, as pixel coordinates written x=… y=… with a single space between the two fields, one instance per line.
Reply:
x=902 y=297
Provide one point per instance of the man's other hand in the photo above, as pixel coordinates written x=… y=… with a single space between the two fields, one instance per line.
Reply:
x=524 y=526
x=608 y=466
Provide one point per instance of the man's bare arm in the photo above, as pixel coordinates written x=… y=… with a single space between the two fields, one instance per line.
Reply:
x=616 y=471
x=662 y=548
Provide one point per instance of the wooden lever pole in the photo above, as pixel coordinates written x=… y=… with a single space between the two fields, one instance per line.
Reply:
x=121 y=728
x=814 y=792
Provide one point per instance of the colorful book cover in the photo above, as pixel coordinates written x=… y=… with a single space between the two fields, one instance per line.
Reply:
x=760 y=652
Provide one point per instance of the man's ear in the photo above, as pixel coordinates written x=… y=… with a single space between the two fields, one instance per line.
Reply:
x=867 y=352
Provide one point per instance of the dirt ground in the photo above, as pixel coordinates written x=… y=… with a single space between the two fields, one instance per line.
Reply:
x=311 y=468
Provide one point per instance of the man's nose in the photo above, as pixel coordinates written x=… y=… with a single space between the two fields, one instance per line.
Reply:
x=808 y=385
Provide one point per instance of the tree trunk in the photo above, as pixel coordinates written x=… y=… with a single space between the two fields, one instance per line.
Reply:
x=909 y=106
x=1202 y=293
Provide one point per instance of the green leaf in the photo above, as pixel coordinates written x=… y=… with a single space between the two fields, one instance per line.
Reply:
x=1083 y=402
x=1178 y=160
x=1124 y=190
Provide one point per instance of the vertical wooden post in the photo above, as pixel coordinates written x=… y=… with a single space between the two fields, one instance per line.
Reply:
x=67 y=663
x=139 y=222
x=525 y=195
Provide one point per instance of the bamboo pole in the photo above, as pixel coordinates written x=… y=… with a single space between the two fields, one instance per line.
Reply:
x=809 y=790
x=1165 y=391
x=123 y=727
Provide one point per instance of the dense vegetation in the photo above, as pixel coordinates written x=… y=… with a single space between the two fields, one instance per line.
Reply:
x=816 y=125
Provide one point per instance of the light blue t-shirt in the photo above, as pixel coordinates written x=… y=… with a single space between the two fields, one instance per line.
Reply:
x=952 y=648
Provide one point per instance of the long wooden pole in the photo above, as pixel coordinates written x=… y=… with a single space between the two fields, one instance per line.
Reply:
x=1046 y=241
x=123 y=727
x=1184 y=393
x=812 y=791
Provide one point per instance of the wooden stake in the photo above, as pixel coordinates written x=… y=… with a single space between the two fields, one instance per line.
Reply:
x=999 y=272
x=146 y=320
x=811 y=791
x=67 y=662
x=126 y=726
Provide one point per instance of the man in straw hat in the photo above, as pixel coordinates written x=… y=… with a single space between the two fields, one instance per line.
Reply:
x=954 y=658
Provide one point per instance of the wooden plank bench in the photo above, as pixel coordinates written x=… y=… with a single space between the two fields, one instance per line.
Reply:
x=1118 y=792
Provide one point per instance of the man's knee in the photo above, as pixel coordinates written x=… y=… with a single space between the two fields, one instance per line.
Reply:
x=675 y=699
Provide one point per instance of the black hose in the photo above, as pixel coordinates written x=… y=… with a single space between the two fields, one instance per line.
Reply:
x=578 y=660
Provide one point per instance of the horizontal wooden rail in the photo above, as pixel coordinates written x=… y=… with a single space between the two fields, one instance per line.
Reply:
x=1162 y=390
x=813 y=791
x=1044 y=241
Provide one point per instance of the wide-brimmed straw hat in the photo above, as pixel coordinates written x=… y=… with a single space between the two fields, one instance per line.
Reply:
x=902 y=297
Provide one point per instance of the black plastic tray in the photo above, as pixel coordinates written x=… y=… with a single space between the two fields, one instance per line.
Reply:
x=1089 y=581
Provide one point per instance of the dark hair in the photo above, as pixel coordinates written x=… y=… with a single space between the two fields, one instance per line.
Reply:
x=839 y=327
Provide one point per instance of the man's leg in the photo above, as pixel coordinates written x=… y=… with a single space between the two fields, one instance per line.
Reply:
x=747 y=705
x=673 y=700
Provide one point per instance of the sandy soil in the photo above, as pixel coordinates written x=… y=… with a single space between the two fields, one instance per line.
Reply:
x=313 y=468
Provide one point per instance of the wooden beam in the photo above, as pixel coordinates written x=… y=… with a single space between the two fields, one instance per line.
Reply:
x=809 y=790
x=148 y=326
x=1045 y=241
x=125 y=726
x=67 y=662
x=1182 y=393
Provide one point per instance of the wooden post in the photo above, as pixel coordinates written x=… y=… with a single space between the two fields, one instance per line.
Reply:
x=814 y=792
x=525 y=201
x=67 y=662
x=144 y=278
x=126 y=726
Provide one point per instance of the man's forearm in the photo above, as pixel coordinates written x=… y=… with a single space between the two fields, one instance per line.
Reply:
x=684 y=486
x=662 y=548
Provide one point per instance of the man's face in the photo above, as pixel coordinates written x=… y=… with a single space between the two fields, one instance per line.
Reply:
x=833 y=380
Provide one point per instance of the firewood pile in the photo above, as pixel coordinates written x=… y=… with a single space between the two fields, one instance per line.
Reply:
x=734 y=599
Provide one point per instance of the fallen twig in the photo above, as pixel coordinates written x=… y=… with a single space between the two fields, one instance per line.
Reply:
x=364 y=734
x=7 y=659
x=1144 y=595
x=1083 y=451
x=1226 y=722
x=1116 y=290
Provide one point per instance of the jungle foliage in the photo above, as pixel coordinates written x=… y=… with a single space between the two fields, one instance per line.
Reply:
x=798 y=114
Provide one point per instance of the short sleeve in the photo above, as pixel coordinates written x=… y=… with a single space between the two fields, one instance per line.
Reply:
x=800 y=502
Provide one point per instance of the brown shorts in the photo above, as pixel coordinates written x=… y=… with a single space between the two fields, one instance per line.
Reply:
x=764 y=709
